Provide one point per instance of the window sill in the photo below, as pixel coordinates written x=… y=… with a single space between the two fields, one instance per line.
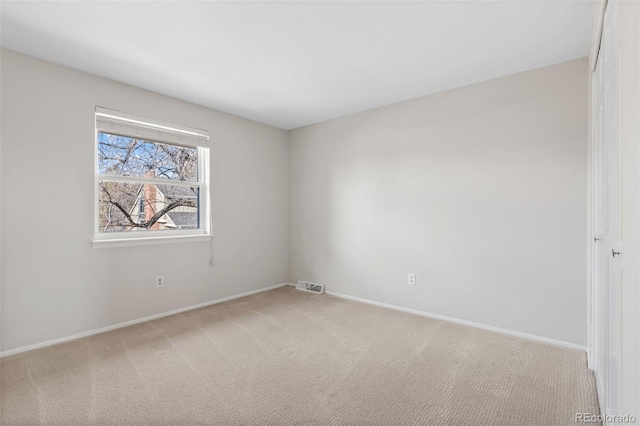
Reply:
x=147 y=241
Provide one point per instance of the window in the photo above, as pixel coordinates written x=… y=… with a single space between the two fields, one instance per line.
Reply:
x=152 y=181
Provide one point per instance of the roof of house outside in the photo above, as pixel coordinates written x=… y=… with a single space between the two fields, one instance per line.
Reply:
x=184 y=219
x=177 y=191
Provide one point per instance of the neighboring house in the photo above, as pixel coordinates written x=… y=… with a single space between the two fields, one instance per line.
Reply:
x=153 y=198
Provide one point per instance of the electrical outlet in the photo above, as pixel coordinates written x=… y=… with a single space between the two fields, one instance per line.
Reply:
x=159 y=281
x=412 y=279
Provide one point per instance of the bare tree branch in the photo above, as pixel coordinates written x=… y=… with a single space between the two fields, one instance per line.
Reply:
x=172 y=205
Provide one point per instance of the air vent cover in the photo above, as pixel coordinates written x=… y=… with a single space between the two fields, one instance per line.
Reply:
x=310 y=287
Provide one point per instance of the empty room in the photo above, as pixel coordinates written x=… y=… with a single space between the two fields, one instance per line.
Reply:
x=320 y=213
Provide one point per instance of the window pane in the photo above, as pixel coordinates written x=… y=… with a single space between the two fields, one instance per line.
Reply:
x=125 y=156
x=147 y=207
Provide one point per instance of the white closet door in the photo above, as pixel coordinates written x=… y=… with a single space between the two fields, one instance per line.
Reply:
x=607 y=244
x=611 y=107
x=601 y=257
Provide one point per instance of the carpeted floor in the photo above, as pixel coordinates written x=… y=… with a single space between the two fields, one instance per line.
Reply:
x=285 y=357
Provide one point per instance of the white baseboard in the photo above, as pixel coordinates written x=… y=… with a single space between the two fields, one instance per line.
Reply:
x=135 y=321
x=462 y=322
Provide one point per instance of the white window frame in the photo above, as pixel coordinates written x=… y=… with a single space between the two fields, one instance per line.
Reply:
x=197 y=139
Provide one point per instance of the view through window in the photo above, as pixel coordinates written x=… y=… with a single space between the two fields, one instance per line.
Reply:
x=160 y=189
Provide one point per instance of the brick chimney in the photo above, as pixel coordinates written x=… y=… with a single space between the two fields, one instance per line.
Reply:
x=150 y=194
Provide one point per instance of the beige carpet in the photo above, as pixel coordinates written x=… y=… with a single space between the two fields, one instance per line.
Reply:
x=289 y=358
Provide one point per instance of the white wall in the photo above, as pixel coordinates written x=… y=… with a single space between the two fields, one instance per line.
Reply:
x=480 y=191
x=53 y=283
